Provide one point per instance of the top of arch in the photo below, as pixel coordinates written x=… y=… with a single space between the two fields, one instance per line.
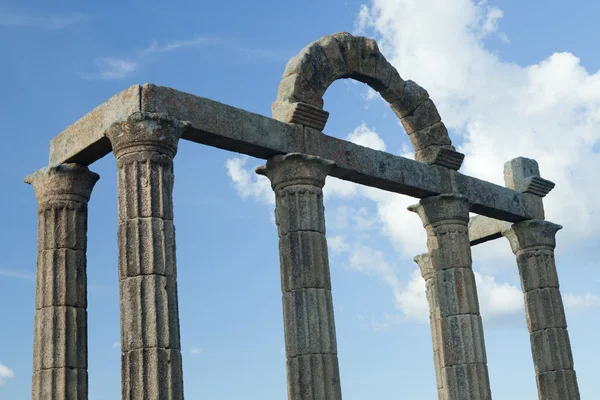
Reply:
x=342 y=55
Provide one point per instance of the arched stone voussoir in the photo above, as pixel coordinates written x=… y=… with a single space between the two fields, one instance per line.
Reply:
x=341 y=55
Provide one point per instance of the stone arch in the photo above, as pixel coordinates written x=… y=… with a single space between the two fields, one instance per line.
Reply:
x=341 y=55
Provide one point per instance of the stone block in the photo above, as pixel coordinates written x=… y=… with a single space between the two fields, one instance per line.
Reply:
x=424 y=116
x=147 y=246
x=152 y=374
x=61 y=338
x=300 y=113
x=449 y=247
x=412 y=97
x=295 y=89
x=60 y=383
x=314 y=377
x=558 y=385
x=544 y=309
x=537 y=269
x=462 y=340
x=149 y=313
x=145 y=181
x=304 y=261
x=395 y=88
x=299 y=208
x=62 y=225
x=435 y=134
x=455 y=292
x=350 y=50
x=309 y=325
x=551 y=350
x=466 y=382
x=61 y=278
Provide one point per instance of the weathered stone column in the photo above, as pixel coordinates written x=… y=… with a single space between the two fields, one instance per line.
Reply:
x=60 y=332
x=144 y=147
x=533 y=243
x=310 y=341
x=427 y=272
x=454 y=295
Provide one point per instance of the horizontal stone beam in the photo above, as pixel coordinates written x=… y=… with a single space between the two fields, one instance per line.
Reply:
x=483 y=229
x=230 y=128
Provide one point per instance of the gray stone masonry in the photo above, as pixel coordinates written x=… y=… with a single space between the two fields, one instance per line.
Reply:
x=533 y=243
x=460 y=336
x=226 y=127
x=427 y=272
x=60 y=326
x=142 y=126
x=151 y=366
x=310 y=341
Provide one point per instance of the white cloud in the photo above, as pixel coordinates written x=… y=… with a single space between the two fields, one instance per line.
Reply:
x=497 y=299
x=113 y=68
x=364 y=136
x=51 y=22
x=549 y=111
x=581 y=302
x=197 y=351
x=247 y=183
x=166 y=47
x=5 y=374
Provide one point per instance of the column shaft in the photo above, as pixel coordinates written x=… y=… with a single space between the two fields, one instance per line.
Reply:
x=460 y=339
x=533 y=243
x=427 y=272
x=151 y=365
x=310 y=341
x=60 y=325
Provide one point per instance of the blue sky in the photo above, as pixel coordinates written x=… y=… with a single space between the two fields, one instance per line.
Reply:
x=510 y=78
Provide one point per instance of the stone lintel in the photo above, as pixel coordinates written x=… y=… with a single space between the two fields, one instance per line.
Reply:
x=483 y=229
x=222 y=126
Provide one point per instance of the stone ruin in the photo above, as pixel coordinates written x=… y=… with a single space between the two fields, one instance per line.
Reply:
x=142 y=127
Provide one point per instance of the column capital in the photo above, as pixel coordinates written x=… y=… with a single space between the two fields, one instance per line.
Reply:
x=63 y=182
x=532 y=234
x=144 y=131
x=296 y=169
x=444 y=208
x=425 y=265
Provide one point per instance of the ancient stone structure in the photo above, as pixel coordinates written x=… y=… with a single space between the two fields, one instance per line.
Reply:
x=142 y=127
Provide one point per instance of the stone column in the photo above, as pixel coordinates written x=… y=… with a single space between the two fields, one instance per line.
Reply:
x=60 y=325
x=533 y=243
x=144 y=147
x=310 y=341
x=454 y=295
x=427 y=272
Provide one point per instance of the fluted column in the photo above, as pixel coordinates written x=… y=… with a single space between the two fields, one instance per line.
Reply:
x=144 y=147
x=533 y=243
x=427 y=272
x=60 y=325
x=310 y=341
x=454 y=295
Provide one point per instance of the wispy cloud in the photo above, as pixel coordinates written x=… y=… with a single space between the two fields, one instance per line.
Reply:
x=197 y=351
x=581 y=302
x=5 y=373
x=17 y=274
x=114 y=68
x=51 y=22
x=156 y=47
